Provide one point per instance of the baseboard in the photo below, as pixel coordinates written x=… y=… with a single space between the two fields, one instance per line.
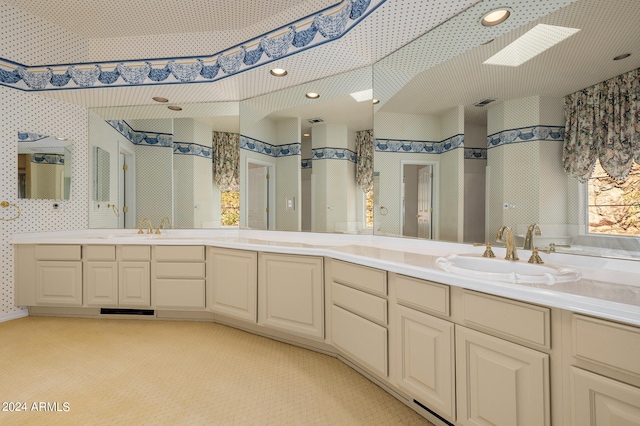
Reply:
x=14 y=315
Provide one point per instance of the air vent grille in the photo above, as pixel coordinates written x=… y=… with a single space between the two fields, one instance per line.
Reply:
x=485 y=101
x=316 y=120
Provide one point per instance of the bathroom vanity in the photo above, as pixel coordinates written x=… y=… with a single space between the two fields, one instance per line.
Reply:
x=459 y=350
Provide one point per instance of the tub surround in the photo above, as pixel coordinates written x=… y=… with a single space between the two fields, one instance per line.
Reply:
x=609 y=288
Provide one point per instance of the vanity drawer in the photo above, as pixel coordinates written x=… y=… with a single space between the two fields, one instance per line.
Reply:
x=362 y=277
x=606 y=343
x=100 y=253
x=58 y=252
x=179 y=253
x=135 y=253
x=422 y=295
x=179 y=270
x=515 y=321
x=358 y=302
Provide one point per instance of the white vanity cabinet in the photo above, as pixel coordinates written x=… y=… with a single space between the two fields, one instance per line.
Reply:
x=290 y=294
x=134 y=277
x=100 y=283
x=424 y=343
x=359 y=315
x=234 y=283
x=178 y=277
x=609 y=394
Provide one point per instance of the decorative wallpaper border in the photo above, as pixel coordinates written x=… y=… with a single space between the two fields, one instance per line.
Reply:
x=55 y=159
x=306 y=163
x=475 y=153
x=265 y=148
x=419 y=147
x=526 y=134
x=141 y=138
x=190 y=148
x=329 y=153
x=30 y=137
x=314 y=30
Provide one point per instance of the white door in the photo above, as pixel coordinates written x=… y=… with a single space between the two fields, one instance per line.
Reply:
x=424 y=201
x=258 y=197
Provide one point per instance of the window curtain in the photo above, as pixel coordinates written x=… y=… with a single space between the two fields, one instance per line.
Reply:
x=603 y=123
x=226 y=161
x=364 y=158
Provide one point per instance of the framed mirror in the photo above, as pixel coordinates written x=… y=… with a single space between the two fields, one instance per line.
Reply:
x=44 y=167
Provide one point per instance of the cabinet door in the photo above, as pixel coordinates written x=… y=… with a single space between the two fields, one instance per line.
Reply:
x=425 y=353
x=134 y=284
x=59 y=283
x=600 y=401
x=101 y=284
x=499 y=382
x=290 y=294
x=234 y=283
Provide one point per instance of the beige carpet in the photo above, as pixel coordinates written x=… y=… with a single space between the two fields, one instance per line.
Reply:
x=160 y=372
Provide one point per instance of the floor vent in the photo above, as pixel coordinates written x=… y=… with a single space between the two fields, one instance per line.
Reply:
x=118 y=311
x=433 y=413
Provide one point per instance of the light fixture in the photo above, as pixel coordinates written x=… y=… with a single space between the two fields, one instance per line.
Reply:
x=495 y=17
x=376 y=101
x=174 y=108
x=278 y=72
x=160 y=99
x=60 y=139
x=306 y=135
x=312 y=95
x=623 y=56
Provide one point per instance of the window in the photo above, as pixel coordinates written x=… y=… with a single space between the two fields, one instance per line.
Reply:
x=614 y=207
x=368 y=209
x=230 y=208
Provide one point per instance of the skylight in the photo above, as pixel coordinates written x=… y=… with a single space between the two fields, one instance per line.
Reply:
x=365 y=95
x=530 y=44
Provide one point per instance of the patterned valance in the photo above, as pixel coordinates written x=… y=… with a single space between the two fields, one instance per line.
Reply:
x=226 y=161
x=603 y=123
x=364 y=160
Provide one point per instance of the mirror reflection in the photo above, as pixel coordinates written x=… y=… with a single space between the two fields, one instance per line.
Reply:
x=44 y=167
x=101 y=175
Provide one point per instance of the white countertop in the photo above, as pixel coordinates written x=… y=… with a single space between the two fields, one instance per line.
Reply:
x=609 y=288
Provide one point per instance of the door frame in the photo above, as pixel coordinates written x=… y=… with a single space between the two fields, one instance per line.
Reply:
x=271 y=199
x=435 y=194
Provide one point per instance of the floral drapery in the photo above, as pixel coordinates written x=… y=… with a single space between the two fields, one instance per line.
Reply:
x=226 y=161
x=364 y=158
x=603 y=123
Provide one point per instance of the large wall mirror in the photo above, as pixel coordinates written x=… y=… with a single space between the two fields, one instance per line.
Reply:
x=44 y=167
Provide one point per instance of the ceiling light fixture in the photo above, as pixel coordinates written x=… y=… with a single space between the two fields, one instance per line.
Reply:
x=376 y=101
x=278 y=72
x=174 y=108
x=306 y=135
x=623 y=56
x=60 y=139
x=160 y=99
x=495 y=17
x=312 y=95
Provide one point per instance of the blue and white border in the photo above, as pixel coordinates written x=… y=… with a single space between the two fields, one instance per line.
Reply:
x=526 y=134
x=141 y=138
x=306 y=163
x=329 y=153
x=191 y=148
x=419 y=147
x=255 y=145
x=55 y=159
x=475 y=153
x=30 y=137
x=311 y=31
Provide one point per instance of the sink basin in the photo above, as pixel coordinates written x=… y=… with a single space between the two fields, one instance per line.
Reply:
x=476 y=266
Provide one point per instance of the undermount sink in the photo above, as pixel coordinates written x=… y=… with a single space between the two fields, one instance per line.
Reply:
x=521 y=271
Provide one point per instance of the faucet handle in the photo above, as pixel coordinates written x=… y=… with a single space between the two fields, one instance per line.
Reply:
x=488 y=252
x=535 y=257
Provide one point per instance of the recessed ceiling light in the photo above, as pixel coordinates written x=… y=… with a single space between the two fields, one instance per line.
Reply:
x=174 y=108
x=306 y=135
x=495 y=17
x=160 y=99
x=530 y=44
x=376 y=101
x=278 y=72
x=312 y=95
x=60 y=139
x=624 y=55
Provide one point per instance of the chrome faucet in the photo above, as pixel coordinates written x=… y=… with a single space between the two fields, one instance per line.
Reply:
x=528 y=239
x=512 y=253
x=142 y=221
